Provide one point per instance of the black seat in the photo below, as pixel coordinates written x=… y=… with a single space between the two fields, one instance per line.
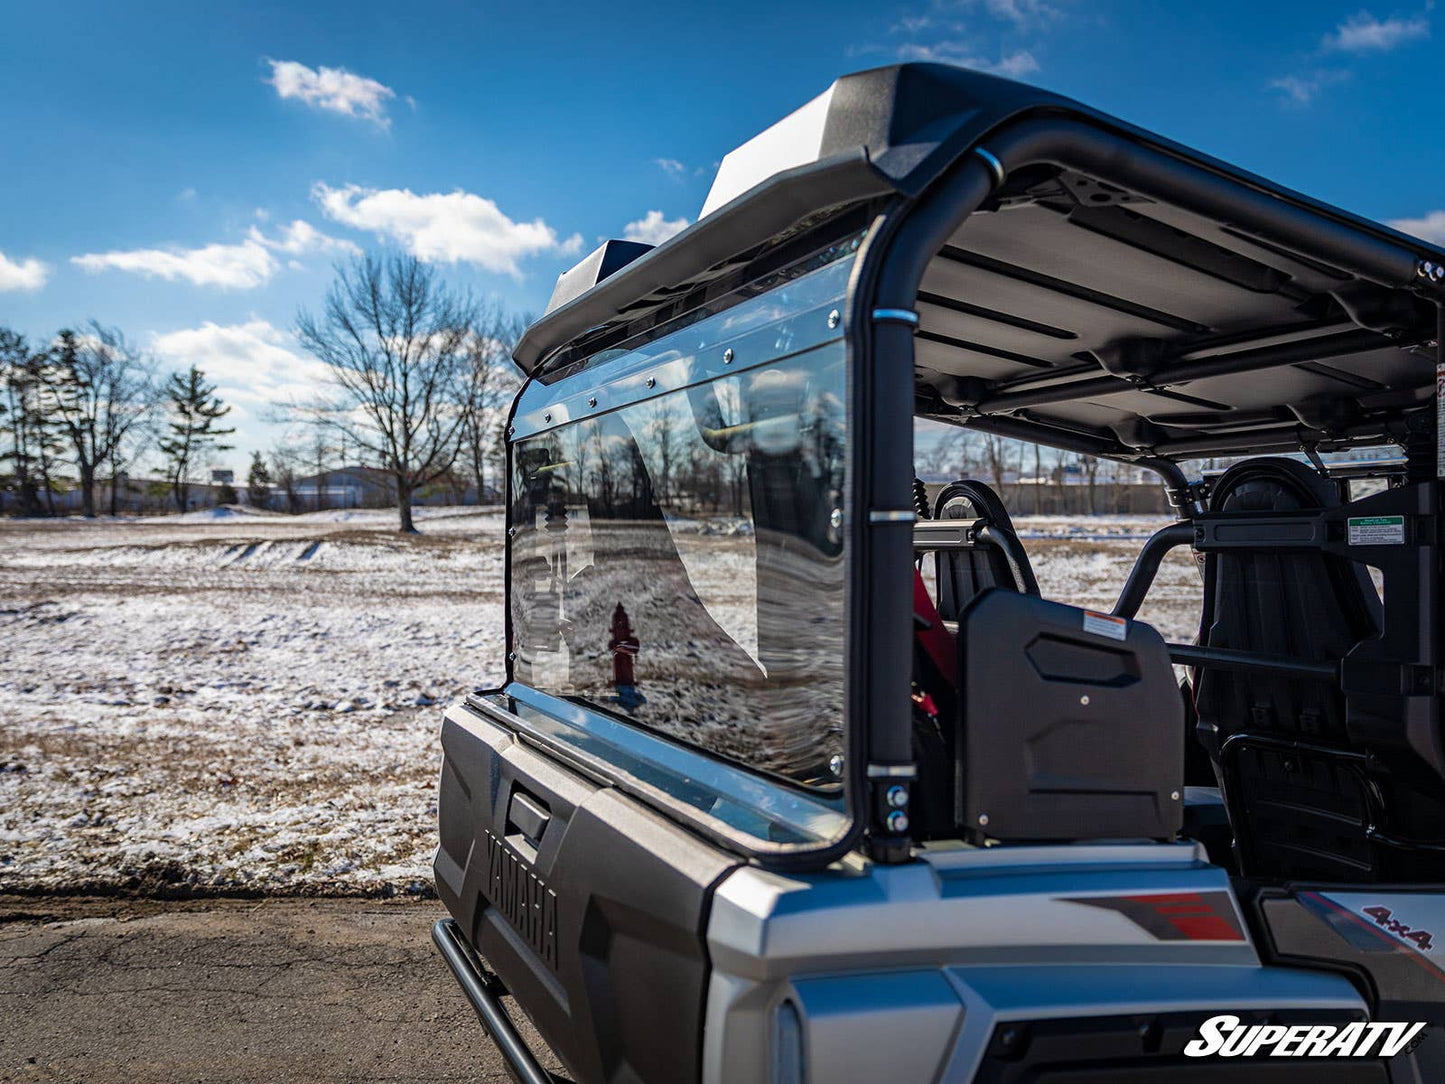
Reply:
x=996 y=557
x=1300 y=813
x=1072 y=725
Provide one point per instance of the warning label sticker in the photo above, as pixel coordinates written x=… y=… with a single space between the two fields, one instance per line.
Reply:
x=1115 y=628
x=1377 y=531
x=1440 y=421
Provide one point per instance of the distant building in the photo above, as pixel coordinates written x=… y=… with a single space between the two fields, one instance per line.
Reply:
x=345 y=487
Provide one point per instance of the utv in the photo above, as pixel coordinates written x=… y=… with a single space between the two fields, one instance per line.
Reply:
x=797 y=777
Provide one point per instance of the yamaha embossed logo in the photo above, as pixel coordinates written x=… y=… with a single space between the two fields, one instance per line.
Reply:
x=520 y=895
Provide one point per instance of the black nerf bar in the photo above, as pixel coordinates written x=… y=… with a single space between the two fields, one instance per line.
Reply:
x=480 y=987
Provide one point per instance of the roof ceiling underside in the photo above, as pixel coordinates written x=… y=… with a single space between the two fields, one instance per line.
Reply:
x=1077 y=307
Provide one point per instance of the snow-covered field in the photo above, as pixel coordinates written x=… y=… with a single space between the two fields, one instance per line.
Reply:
x=251 y=701
x=234 y=700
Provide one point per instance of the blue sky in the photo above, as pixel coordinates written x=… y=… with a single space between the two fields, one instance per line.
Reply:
x=190 y=171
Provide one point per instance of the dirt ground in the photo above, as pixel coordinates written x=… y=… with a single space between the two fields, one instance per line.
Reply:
x=99 y=990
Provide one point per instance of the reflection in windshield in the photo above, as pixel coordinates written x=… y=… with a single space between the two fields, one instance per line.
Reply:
x=684 y=565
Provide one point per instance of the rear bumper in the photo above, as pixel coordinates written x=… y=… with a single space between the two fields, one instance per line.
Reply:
x=484 y=990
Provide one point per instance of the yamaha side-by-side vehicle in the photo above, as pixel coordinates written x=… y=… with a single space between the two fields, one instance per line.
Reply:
x=796 y=776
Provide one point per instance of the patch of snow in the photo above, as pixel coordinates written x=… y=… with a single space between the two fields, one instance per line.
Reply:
x=254 y=700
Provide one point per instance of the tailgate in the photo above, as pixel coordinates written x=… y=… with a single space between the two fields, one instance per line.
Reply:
x=587 y=905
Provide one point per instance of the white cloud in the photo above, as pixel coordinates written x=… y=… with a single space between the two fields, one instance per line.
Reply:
x=653 y=229
x=232 y=267
x=22 y=274
x=1430 y=228
x=442 y=227
x=300 y=238
x=1302 y=89
x=1013 y=65
x=242 y=266
x=1363 y=33
x=911 y=24
x=1024 y=14
x=671 y=166
x=252 y=362
x=334 y=89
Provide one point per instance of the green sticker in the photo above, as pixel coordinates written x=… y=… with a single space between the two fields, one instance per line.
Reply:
x=1376 y=530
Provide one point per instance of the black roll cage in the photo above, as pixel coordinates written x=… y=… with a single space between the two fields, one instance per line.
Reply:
x=906 y=233
x=904 y=239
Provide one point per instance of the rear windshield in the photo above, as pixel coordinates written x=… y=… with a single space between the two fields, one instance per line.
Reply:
x=679 y=563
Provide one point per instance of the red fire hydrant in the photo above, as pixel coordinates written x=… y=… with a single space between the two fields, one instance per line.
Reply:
x=624 y=646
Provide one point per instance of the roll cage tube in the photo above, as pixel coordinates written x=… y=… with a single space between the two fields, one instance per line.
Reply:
x=880 y=341
x=881 y=329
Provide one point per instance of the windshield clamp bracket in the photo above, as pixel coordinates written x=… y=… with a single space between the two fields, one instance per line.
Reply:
x=892 y=771
x=892 y=515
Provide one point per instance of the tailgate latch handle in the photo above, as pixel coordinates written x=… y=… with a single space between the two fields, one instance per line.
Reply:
x=527 y=816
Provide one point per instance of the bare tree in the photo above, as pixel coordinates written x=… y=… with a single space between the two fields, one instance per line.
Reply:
x=995 y=453
x=101 y=391
x=488 y=384
x=1038 y=479
x=1089 y=464
x=394 y=340
x=318 y=452
x=284 y=459
x=947 y=452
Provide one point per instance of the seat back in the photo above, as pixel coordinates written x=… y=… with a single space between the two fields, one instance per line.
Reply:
x=1072 y=724
x=1301 y=814
x=964 y=574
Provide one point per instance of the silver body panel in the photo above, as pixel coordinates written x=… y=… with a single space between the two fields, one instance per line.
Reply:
x=932 y=955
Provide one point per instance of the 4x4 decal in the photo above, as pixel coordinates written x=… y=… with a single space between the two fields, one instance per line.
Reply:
x=1383 y=916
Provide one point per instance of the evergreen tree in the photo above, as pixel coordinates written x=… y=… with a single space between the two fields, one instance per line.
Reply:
x=258 y=482
x=20 y=414
x=193 y=432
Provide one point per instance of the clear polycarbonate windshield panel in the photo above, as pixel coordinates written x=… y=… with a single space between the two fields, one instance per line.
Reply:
x=678 y=562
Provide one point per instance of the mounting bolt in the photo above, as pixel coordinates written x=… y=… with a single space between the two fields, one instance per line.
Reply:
x=592 y=400
x=983 y=820
x=897 y=821
x=652 y=381
x=1174 y=795
x=511 y=532
x=897 y=796
x=835 y=318
x=728 y=356
x=511 y=429
x=835 y=763
x=1084 y=700
x=546 y=417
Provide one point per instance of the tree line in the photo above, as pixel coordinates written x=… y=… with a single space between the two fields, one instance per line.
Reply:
x=418 y=377
x=89 y=402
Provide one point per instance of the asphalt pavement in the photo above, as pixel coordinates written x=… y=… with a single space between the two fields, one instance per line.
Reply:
x=273 y=990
